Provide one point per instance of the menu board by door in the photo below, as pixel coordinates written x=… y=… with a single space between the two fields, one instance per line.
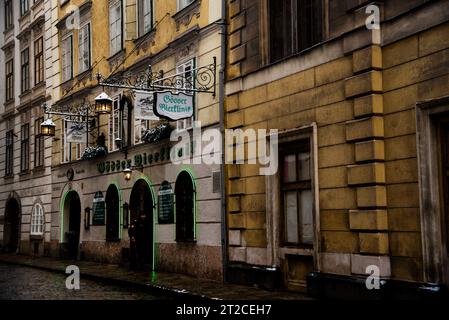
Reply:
x=165 y=204
x=98 y=210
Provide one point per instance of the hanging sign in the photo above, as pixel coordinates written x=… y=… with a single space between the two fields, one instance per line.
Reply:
x=143 y=109
x=172 y=106
x=165 y=204
x=98 y=210
x=75 y=132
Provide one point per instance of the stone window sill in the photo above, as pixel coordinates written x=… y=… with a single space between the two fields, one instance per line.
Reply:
x=36 y=236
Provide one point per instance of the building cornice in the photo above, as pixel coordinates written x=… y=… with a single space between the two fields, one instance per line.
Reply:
x=24 y=33
x=186 y=15
x=187 y=36
x=8 y=45
x=193 y=34
x=84 y=7
x=38 y=22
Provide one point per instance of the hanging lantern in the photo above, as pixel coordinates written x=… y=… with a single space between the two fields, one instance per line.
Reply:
x=103 y=104
x=48 y=128
x=127 y=174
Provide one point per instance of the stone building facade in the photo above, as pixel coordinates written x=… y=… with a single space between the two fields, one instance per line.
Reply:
x=362 y=114
x=362 y=145
x=25 y=182
x=93 y=205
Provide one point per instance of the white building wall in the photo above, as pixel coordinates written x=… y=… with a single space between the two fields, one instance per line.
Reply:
x=35 y=185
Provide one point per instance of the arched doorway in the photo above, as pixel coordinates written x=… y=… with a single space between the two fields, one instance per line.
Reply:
x=11 y=233
x=185 y=202
x=141 y=230
x=112 y=213
x=72 y=223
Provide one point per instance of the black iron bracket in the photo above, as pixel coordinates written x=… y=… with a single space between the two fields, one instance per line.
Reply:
x=202 y=80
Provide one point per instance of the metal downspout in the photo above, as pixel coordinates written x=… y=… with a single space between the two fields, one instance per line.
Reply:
x=224 y=242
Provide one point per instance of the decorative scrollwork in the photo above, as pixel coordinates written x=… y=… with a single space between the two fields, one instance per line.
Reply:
x=83 y=114
x=139 y=81
x=82 y=110
x=202 y=79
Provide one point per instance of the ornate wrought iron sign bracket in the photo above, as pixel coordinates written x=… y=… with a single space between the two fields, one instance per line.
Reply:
x=202 y=79
x=84 y=110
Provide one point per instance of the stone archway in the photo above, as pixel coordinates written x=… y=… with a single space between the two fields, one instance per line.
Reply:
x=11 y=231
x=141 y=206
x=185 y=207
x=71 y=223
x=112 y=213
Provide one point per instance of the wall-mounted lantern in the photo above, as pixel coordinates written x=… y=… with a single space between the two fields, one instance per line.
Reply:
x=127 y=173
x=48 y=128
x=103 y=104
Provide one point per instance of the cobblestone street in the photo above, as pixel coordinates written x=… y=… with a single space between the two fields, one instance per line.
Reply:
x=165 y=284
x=24 y=283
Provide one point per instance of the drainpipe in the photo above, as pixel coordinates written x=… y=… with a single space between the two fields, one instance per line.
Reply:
x=221 y=84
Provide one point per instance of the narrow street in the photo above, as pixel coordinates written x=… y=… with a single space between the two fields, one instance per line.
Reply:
x=24 y=283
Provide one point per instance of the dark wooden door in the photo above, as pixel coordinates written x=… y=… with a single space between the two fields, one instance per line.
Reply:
x=73 y=235
x=112 y=213
x=141 y=207
x=12 y=226
x=184 y=195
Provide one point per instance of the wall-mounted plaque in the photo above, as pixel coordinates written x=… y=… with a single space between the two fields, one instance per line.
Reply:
x=98 y=210
x=165 y=204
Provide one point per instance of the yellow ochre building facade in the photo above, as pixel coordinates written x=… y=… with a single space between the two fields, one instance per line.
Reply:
x=362 y=185
x=94 y=202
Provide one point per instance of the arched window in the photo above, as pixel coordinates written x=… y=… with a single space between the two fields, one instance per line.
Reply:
x=185 y=204
x=37 y=220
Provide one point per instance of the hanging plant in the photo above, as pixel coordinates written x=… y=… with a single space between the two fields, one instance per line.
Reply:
x=158 y=133
x=94 y=152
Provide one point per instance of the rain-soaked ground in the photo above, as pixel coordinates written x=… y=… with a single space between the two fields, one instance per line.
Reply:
x=24 y=283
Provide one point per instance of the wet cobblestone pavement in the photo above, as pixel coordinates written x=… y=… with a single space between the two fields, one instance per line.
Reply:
x=24 y=283
x=164 y=284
